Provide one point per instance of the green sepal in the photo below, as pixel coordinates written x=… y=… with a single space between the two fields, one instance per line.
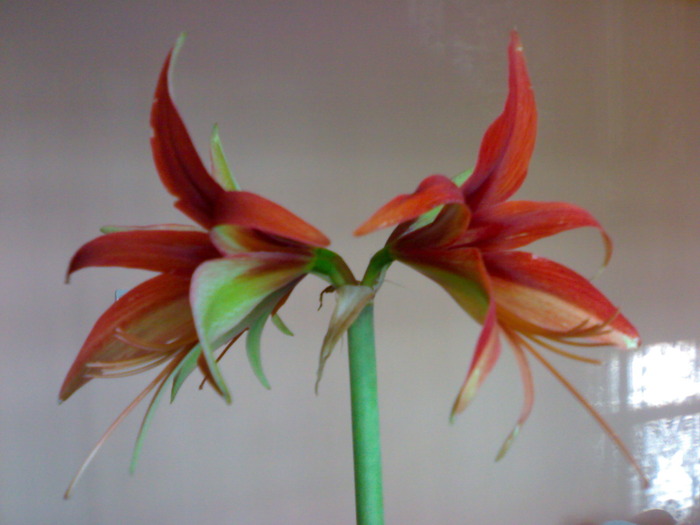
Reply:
x=462 y=177
x=281 y=326
x=153 y=405
x=253 y=349
x=429 y=216
x=220 y=169
x=189 y=363
x=216 y=374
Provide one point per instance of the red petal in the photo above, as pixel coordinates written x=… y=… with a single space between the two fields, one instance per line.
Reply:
x=450 y=224
x=513 y=224
x=540 y=297
x=486 y=354
x=431 y=192
x=242 y=208
x=181 y=170
x=508 y=143
x=157 y=311
x=157 y=250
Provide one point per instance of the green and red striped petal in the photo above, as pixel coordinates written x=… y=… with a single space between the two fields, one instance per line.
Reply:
x=459 y=271
x=167 y=251
x=432 y=192
x=180 y=168
x=225 y=292
x=513 y=224
x=449 y=225
x=156 y=313
x=242 y=208
x=232 y=240
x=536 y=296
x=508 y=143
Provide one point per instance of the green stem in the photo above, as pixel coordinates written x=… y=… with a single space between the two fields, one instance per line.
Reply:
x=365 y=420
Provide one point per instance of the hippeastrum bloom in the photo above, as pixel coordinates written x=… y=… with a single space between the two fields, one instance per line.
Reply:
x=216 y=281
x=464 y=234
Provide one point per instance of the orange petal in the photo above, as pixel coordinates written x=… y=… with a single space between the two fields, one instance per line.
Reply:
x=181 y=170
x=513 y=224
x=431 y=192
x=242 y=208
x=157 y=311
x=508 y=143
x=540 y=297
x=486 y=354
x=156 y=250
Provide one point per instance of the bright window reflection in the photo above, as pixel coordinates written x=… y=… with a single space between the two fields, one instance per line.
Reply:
x=662 y=396
x=664 y=374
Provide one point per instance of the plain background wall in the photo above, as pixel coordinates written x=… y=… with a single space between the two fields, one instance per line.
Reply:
x=331 y=109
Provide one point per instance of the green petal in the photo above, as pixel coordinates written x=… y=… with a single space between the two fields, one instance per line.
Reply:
x=220 y=170
x=281 y=326
x=153 y=405
x=215 y=372
x=189 y=363
x=225 y=291
x=253 y=350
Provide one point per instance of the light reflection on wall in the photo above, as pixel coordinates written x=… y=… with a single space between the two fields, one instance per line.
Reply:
x=664 y=374
x=658 y=394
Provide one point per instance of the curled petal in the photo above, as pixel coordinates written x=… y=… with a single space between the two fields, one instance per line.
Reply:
x=242 y=208
x=181 y=170
x=170 y=251
x=508 y=143
x=537 y=296
x=156 y=312
x=513 y=224
x=432 y=192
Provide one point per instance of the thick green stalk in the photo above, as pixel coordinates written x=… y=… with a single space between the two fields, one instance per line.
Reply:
x=365 y=420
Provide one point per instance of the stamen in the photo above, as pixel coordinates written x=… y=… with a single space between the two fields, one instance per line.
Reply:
x=160 y=377
x=592 y=411
x=152 y=346
x=564 y=353
x=100 y=366
x=528 y=390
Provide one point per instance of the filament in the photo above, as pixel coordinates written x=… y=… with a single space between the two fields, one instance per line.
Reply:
x=591 y=410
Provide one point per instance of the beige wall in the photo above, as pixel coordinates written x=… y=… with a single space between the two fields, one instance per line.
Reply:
x=331 y=108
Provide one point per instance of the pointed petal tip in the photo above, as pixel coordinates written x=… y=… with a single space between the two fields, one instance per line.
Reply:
x=505 y=447
x=515 y=42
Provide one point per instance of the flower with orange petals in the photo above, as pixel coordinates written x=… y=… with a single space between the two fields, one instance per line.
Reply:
x=215 y=282
x=464 y=234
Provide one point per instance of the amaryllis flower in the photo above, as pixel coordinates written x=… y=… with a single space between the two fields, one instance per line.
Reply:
x=228 y=275
x=464 y=234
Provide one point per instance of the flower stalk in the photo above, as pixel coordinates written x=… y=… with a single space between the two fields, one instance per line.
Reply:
x=365 y=420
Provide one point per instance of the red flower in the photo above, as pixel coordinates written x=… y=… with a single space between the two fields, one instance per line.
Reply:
x=463 y=234
x=213 y=283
